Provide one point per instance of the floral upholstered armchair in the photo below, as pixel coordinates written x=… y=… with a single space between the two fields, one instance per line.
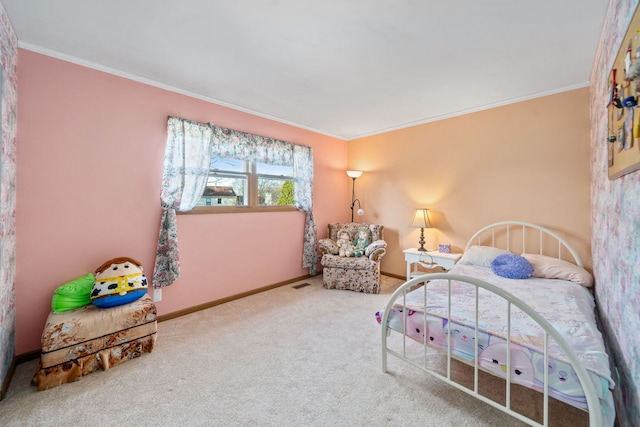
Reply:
x=351 y=256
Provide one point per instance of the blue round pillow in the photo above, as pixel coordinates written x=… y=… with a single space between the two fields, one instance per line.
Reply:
x=512 y=266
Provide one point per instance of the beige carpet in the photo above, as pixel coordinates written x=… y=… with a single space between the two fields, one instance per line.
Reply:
x=285 y=357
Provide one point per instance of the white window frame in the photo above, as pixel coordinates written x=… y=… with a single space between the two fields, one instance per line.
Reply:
x=251 y=196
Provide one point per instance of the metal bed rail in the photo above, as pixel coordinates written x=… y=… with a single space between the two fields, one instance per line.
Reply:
x=488 y=235
x=593 y=402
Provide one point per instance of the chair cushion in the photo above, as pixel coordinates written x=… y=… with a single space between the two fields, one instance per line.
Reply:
x=356 y=263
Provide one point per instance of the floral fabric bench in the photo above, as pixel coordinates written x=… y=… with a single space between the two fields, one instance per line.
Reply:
x=78 y=342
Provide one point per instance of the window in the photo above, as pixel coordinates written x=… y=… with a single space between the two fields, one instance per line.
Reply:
x=234 y=184
x=189 y=168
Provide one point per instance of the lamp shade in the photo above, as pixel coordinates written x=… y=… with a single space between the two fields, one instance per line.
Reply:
x=421 y=219
x=354 y=174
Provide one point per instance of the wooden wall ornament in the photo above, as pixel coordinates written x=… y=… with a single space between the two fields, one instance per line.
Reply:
x=623 y=137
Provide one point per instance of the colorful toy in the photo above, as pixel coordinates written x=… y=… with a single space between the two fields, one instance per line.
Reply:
x=118 y=281
x=363 y=238
x=494 y=359
x=344 y=242
x=73 y=294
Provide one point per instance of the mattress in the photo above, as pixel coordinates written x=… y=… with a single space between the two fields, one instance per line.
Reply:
x=568 y=306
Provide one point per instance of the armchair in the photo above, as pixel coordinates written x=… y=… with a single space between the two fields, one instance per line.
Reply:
x=357 y=273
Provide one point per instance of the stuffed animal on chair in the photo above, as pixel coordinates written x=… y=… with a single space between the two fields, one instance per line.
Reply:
x=363 y=238
x=118 y=281
x=344 y=242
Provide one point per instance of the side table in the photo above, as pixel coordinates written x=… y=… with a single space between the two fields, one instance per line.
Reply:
x=428 y=259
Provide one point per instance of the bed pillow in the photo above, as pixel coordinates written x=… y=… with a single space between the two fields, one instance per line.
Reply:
x=553 y=268
x=481 y=255
x=512 y=266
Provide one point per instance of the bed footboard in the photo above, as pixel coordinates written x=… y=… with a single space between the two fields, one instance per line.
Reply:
x=593 y=402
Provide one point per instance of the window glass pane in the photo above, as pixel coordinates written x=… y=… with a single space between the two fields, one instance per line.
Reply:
x=230 y=180
x=226 y=164
x=265 y=169
x=275 y=192
x=225 y=191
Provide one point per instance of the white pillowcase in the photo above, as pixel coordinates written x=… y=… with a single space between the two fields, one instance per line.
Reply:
x=553 y=268
x=481 y=255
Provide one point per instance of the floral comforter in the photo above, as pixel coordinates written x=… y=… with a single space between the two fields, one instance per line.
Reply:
x=569 y=307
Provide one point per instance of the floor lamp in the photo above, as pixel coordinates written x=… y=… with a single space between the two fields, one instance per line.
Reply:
x=354 y=175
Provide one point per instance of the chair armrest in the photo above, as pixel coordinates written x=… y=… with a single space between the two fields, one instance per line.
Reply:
x=328 y=246
x=376 y=250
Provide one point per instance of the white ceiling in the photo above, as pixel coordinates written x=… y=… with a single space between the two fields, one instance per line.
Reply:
x=344 y=68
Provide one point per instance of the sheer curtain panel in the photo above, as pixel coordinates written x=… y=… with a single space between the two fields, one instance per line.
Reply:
x=186 y=167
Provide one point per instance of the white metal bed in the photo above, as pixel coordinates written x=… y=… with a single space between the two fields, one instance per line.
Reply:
x=516 y=237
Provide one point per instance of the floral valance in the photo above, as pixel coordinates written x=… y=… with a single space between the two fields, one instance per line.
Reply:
x=249 y=147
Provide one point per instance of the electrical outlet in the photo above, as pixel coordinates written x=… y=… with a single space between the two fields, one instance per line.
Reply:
x=157 y=295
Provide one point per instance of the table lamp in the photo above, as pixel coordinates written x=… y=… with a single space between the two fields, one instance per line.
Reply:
x=421 y=220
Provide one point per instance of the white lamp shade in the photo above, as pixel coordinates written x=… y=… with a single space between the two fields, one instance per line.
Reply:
x=421 y=219
x=354 y=174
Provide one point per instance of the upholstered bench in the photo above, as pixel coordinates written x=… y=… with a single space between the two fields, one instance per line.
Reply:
x=78 y=342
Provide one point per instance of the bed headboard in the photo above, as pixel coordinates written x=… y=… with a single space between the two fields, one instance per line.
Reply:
x=519 y=237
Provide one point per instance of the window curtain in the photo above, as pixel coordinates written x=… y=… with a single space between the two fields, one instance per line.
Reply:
x=186 y=168
x=190 y=146
x=302 y=196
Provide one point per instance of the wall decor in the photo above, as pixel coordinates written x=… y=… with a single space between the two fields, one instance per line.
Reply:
x=623 y=135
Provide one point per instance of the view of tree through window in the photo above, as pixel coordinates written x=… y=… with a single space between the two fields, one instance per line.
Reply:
x=233 y=182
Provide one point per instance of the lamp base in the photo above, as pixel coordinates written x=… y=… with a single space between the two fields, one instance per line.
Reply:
x=421 y=241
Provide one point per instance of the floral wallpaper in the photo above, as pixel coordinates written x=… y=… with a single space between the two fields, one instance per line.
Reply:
x=615 y=219
x=8 y=93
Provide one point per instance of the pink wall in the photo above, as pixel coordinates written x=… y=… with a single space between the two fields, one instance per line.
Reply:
x=90 y=152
